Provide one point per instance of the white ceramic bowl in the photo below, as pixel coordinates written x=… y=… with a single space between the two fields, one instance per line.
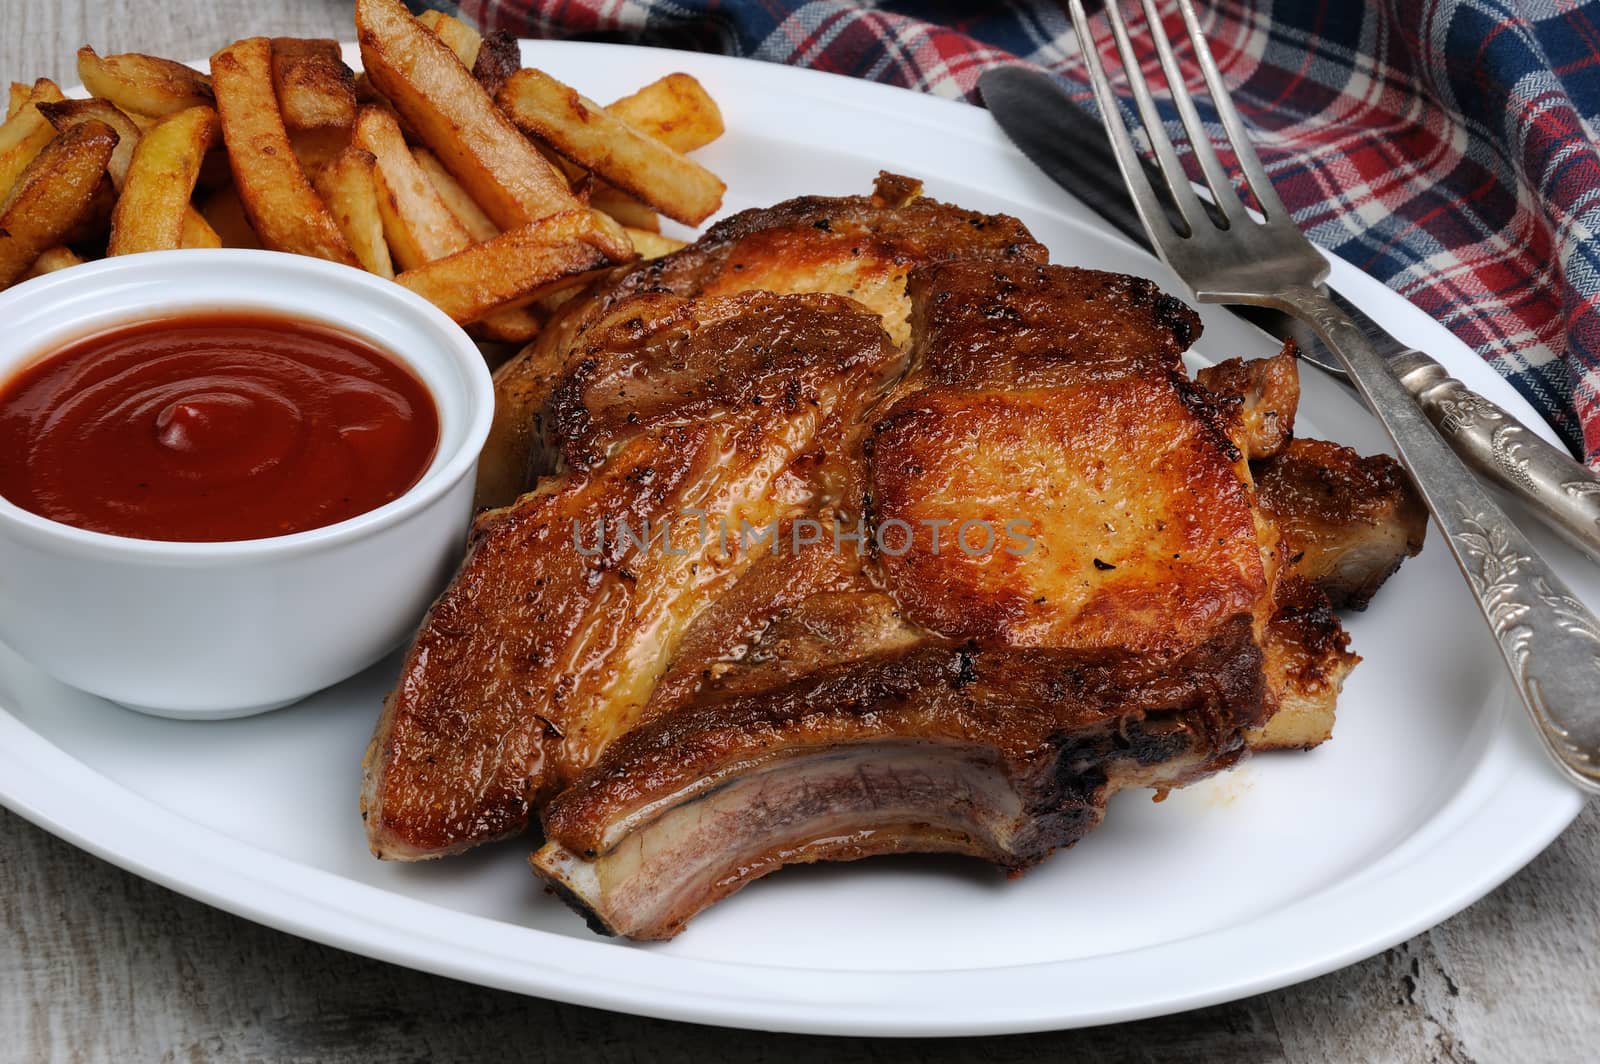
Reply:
x=210 y=630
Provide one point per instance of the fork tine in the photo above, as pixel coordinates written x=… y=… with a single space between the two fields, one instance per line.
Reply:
x=1143 y=192
x=1189 y=206
x=1216 y=176
x=1239 y=137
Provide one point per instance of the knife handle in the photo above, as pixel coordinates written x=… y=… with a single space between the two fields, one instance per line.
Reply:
x=1560 y=492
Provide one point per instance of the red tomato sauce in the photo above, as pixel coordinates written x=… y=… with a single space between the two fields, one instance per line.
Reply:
x=213 y=428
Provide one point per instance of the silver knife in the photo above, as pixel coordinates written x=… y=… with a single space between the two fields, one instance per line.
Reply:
x=1070 y=146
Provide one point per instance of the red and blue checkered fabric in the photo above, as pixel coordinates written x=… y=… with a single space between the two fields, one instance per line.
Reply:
x=1444 y=146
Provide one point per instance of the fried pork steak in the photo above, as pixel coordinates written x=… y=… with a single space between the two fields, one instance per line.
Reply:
x=856 y=528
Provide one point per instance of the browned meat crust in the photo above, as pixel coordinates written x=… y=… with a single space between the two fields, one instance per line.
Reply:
x=1347 y=521
x=1106 y=610
x=1268 y=391
x=1041 y=737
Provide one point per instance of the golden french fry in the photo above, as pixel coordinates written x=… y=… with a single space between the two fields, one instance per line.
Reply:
x=461 y=38
x=17 y=97
x=511 y=325
x=477 y=224
x=283 y=210
x=197 y=232
x=143 y=84
x=450 y=113
x=318 y=148
x=513 y=268
x=155 y=195
x=315 y=89
x=417 y=223
x=53 y=259
x=224 y=212
x=349 y=188
x=676 y=110
x=610 y=148
x=55 y=194
x=651 y=245
x=499 y=57
x=623 y=207
x=68 y=113
x=24 y=135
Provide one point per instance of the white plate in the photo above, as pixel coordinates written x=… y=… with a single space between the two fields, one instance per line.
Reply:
x=1431 y=793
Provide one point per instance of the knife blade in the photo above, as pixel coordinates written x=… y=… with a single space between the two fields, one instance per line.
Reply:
x=1069 y=145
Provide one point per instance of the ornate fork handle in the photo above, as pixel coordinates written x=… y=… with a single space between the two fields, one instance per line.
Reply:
x=1498 y=445
x=1549 y=639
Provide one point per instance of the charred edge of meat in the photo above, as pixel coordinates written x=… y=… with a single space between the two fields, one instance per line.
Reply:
x=890 y=756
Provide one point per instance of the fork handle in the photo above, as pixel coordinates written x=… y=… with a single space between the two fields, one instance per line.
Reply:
x=1550 y=640
x=1562 y=493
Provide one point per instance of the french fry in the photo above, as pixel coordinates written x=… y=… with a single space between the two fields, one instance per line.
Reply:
x=17 y=97
x=499 y=57
x=651 y=245
x=417 y=223
x=53 y=259
x=149 y=215
x=315 y=89
x=24 y=135
x=449 y=111
x=676 y=110
x=52 y=196
x=318 y=148
x=278 y=199
x=197 y=232
x=224 y=212
x=68 y=113
x=143 y=84
x=509 y=325
x=467 y=212
x=623 y=207
x=461 y=38
x=513 y=268
x=349 y=188
x=610 y=148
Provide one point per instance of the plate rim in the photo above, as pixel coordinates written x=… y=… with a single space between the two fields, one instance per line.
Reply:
x=47 y=786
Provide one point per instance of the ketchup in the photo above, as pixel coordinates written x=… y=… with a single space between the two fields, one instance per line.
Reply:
x=213 y=427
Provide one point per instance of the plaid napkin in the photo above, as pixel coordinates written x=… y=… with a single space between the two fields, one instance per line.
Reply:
x=1445 y=147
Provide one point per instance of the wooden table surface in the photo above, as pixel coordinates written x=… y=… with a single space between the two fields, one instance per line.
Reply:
x=97 y=964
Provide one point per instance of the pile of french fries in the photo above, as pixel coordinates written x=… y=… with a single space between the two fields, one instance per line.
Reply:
x=488 y=188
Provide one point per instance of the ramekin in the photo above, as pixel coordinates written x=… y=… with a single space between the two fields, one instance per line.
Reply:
x=213 y=630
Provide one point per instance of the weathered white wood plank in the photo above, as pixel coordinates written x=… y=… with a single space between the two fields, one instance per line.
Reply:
x=96 y=964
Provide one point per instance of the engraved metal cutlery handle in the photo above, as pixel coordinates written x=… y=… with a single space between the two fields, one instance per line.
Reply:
x=1505 y=450
x=1549 y=639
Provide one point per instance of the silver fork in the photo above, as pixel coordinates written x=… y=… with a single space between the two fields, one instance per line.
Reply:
x=1550 y=640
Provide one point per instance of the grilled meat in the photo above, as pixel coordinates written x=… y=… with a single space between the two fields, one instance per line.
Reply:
x=1008 y=559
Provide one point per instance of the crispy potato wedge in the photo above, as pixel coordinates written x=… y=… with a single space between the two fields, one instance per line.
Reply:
x=610 y=148
x=143 y=84
x=155 y=195
x=417 y=223
x=68 y=113
x=53 y=259
x=477 y=224
x=510 y=325
x=224 y=212
x=651 y=245
x=676 y=110
x=315 y=89
x=24 y=134
x=283 y=210
x=623 y=207
x=499 y=57
x=53 y=196
x=17 y=96
x=449 y=111
x=513 y=268
x=461 y=38
x=197 y=232
x=349 y=188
